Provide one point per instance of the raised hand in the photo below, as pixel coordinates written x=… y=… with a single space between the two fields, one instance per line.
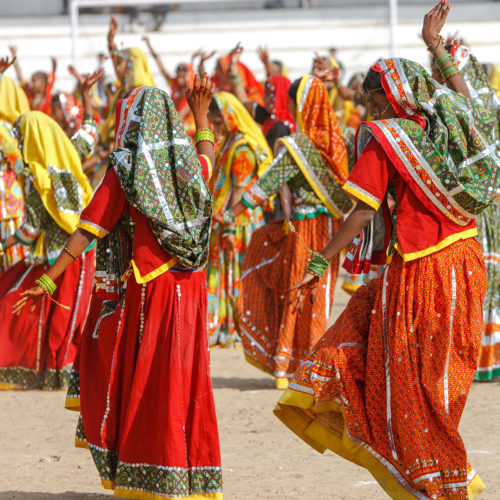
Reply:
x=34 y=294
x=205 y=56
x=5 y=63
x=113 y=30
x=263 y=54
x=54 y=64
x=199 y=95
x=434 y=21
x=328 y=75
x=89 y=80
x=235 y=54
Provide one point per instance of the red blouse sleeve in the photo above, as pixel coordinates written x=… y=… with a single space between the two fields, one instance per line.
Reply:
x=206 y=167
x=370 y=176
x=105 y=208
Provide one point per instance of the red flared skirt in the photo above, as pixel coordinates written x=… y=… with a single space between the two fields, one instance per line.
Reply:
x=38 y=349
x=275 y=338
x=387 y=384
x=145 y=394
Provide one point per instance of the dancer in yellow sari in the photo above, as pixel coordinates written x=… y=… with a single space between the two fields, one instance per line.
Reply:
x=243 y=157
x=13 y=102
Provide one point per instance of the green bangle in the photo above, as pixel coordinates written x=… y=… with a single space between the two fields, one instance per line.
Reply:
x=229 y=231
x=318 y=264
x=204 y=134
x=47 y=284
x=228 y=217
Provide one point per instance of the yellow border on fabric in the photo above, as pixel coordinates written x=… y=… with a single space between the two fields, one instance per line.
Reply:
x=210 y=167
x=143 y=495
x=290 y=410
x=107 y=484
x=153 y=274
x=91 y=229
x=304 y=170
x=300 y=91
x=468 y=233
x=80 y=443
x=72 y=404
x=350 y=189
x=6 y=386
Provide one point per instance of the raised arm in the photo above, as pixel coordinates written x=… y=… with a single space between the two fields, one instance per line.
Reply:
x=5 y=64
x=198 y=97
x=264 y=57
x=434 y=21
x=234 y=76
x=85 y=86
x=17 y=66
x=158 y=60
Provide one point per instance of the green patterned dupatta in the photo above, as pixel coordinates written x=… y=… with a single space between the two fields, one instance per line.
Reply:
x=161 y=176
x=441 y=142
x=477 y=81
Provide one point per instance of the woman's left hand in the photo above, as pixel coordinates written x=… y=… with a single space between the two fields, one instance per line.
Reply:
x=309 y=283
x=89 y=80
x=199 y=95
x=219 y=218
x=34 y=294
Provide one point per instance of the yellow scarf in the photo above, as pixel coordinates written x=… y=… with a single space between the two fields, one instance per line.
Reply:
x=52 y=160
x=237 y=118
x=138 y=74
x=13 y=100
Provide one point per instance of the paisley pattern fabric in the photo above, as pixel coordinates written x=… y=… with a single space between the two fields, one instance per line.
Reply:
x=160 y=174
x=441 y=142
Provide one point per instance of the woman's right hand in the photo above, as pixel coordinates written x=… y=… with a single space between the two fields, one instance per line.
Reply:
x=434 y=21
x=5 y=63
x=113 y=30
x=309 y=283
x=34 y=294
x=199 y=96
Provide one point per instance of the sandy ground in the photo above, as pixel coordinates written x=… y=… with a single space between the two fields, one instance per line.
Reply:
x=261 y=458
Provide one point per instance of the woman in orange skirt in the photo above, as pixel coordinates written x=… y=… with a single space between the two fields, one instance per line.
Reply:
x=386 y=386
x=312 y=165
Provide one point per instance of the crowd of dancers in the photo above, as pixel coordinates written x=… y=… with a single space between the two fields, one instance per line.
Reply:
x=139 y=228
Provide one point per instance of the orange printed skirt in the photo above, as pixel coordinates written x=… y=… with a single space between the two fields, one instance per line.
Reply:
x=387 y=384
x=275 y=338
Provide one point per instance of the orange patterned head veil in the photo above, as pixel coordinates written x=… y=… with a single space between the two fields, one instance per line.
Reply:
x=316 y=119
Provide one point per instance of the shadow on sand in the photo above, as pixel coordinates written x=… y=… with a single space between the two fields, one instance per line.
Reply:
x=243 y=384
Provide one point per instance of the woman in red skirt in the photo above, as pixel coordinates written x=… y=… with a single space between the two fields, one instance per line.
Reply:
x=37 y=350
x=146 y=400
x=386 y=386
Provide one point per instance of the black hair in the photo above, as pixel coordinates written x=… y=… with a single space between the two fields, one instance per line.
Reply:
x=293 y=89
x=55 y=99
x=214 y=107
x=278 y=63
x=42 y=75
x=372 y=82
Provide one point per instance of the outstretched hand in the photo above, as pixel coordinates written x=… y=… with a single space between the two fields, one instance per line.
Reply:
x=73 y=71
x=5 y=63
x=34 y=295
x=434 y=21
x=309 y=283
x=89 y=80
x=328 y=75
x=235 y=54
x=263 y=54
x=200 y=94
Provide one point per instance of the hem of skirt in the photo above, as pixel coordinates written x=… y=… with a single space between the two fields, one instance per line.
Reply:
x=72 y=404
x=487 y=376
x=292 y=411
x=7 y=386
x=81 y=443
x=350 y=289
x=144 y=495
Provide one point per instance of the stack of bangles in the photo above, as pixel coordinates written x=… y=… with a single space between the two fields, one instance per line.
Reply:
x=317 y=264
x=235 y=79
x=49 y=287
x=3 y=248
x=229 y=221
x=204 y=134
x=445 y=62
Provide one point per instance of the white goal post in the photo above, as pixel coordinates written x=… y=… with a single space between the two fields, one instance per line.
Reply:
x=77 y=4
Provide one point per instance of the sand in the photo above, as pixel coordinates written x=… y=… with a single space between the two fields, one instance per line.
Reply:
x=261 y=458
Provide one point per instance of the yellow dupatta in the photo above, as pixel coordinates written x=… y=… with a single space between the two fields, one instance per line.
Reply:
x=237 y=118
x=13 y=100
x=138 y=74
x=55 y=166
